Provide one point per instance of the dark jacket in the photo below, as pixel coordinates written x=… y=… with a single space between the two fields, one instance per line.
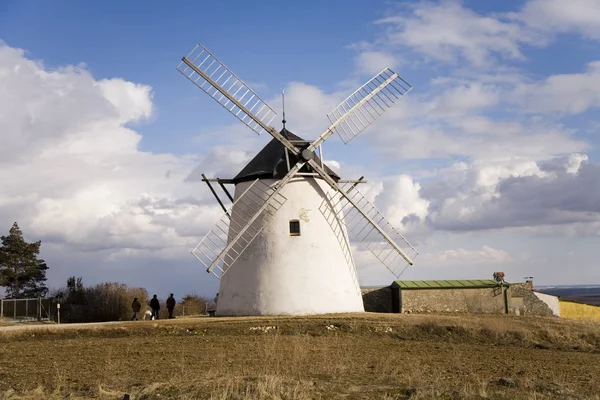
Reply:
x=136 y=306
x=171 y=302
x=154 y=304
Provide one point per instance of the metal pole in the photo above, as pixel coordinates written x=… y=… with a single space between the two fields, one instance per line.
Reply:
x=215 y=194
x=225 y=190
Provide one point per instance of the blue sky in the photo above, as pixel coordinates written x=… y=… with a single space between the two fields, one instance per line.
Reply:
x=268 y=42
x=501 y=91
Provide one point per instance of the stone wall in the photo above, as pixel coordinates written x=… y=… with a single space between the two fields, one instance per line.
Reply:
x=377 y=299
x=486 y=300
x=532 y=304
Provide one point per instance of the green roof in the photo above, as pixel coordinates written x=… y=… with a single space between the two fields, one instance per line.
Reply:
x=451 y=284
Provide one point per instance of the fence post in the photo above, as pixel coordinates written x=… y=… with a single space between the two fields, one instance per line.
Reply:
x=1 y=309
x=39 y=309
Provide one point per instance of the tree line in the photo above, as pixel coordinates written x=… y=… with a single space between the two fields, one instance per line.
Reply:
x=23 y=275
x=111 y=301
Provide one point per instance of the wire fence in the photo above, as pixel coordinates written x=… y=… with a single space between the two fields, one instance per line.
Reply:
x=24 y=310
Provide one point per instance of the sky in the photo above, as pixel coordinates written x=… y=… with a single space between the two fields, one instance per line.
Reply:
x=490 y=163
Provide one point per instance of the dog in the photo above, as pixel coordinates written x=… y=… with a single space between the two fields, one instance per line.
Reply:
x=148 y=314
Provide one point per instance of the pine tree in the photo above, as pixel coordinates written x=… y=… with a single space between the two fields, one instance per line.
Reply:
x=21 y=271
x=76 y=291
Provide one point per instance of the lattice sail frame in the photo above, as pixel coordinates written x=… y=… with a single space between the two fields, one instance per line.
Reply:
x=201 y=62
x=362 y=229
x=367 y=104
x=339 y=229
x=210 y=250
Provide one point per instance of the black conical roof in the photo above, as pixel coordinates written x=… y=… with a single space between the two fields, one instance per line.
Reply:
x=270 y=162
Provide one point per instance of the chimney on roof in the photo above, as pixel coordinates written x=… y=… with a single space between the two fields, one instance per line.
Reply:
x=499 y=276
x=529 y=282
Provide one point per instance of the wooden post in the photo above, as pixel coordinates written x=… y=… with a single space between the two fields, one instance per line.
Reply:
x=505 y=293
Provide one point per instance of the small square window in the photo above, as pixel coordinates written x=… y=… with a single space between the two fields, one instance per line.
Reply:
x=294 y=227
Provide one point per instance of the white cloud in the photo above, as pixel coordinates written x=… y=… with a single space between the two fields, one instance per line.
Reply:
x=132 y=101
x=552 y=16
x=463 y=257
x=334 y=165
x=449 y=32
x=520 y=194
x=400 y=198
x=419 y=135
x=72 y=173
x=471 y=97
x=306 y=108
x=373 y=62
x=564 y=93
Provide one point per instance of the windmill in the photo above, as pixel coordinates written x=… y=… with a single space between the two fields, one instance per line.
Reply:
x=282 y=247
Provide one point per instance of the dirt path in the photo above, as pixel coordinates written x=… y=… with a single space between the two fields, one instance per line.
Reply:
x=26 y=327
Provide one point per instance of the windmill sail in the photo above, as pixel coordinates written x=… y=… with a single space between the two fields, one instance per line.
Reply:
x=205 y=70
x=226 y=242
x=366 y=104
x=228 y=239
x=370 y=227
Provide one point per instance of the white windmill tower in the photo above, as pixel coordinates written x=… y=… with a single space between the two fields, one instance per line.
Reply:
x=282 y=247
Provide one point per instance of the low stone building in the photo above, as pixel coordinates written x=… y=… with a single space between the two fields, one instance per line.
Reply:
x=473 y=296
x=462 y=296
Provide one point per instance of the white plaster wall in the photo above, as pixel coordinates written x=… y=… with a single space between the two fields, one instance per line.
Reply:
x=296 y=275
x=551 y=301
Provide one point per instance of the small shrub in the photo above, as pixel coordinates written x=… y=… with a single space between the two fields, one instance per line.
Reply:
x=107 y=301
x=192 y=304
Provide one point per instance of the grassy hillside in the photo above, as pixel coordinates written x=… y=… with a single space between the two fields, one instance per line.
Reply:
x=579 y=311
x=383 y=356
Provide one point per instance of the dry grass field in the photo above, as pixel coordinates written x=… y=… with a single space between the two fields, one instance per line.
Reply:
x=579 y=311
x=380 y=356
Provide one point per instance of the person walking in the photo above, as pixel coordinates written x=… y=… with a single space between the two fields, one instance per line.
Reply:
x=171 y=305
x=136 y=306
x=155 y=306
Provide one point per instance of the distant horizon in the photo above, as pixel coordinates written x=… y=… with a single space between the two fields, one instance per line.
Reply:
x=594 y=285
